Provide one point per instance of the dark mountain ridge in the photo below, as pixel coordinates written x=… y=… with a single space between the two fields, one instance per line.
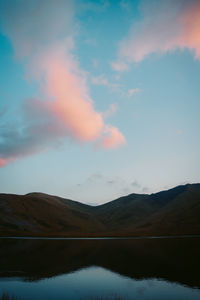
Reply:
x=171 y=212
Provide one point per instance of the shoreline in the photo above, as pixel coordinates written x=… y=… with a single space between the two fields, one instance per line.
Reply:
x=99 y=238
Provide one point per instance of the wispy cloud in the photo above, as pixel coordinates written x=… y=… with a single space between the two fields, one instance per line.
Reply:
x=164 y=26
x=103 y=81
x=3 y=111
x=112 y=138
x=118 y=88
x=125 y=4
x=113 y=186
x=95 y=63
x=135 y=184
x=100 y=80
x=42 y=36
x=111 y=110
x=131 y=92
x=119 y=66
x=99 y=6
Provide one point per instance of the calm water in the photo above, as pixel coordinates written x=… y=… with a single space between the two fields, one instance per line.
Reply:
x=100 y=269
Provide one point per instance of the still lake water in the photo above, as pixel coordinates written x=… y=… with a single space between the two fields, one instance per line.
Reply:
x=93 y=269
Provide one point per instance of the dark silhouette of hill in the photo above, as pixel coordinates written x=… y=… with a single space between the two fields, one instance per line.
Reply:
x=171 y=212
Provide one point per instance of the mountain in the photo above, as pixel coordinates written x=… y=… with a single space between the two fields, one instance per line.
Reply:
x=172 y=212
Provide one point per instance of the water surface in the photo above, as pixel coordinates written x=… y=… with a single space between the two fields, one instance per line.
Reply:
x=107 y=268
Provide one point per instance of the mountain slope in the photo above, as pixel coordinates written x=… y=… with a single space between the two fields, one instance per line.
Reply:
x=175 y=211
x=38 y=213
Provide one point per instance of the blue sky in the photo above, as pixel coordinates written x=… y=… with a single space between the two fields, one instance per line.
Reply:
x=99 y=99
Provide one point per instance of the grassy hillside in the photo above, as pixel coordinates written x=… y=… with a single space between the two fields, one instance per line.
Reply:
x=39 y=214
x=175 y=211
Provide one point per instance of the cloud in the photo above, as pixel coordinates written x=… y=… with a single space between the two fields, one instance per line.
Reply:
x=4 y=162
x=111 y=187
x=111 y=110
x=124 y=4
x=145 y=190
x=110 y=181
x=135 y=184
x=99 y=6
x=102 y=80
x=165 y=26
x=34 y=26
x=119 y=66
x=42 y=36
x=38 y=131
x=95 y=63
x=112 y=138
x=131 y=92
x=3 y=111
x=72 y=105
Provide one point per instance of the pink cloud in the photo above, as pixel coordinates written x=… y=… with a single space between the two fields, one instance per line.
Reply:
x=190 y=22
x=71 y=103
x=69 y=112
x=112 y=139
x=3 y=162
x=67 y=109
x=165 y=26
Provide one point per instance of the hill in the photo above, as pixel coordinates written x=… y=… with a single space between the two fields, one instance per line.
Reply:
x=172 y=212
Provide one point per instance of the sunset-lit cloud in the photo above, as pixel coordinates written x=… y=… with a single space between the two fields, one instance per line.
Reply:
x=71 y=103
x=165 y=26
x=81 y=78
x=3 y=162
x=44 y=41
x=112 y=138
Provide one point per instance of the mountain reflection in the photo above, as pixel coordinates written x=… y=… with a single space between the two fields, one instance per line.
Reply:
x=174 y=260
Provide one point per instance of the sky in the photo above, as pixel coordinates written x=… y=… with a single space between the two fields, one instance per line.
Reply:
x=99 y=99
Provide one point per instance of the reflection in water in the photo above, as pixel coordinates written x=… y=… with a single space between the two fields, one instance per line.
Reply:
x=5 y=296
x=88 y=269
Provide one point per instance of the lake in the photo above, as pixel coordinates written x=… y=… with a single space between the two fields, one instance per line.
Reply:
x=100 y=269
